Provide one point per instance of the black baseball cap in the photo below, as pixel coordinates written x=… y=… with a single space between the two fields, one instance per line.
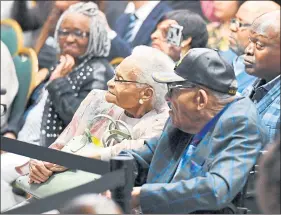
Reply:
x=204 y=67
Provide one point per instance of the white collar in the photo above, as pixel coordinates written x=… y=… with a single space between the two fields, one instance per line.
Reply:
x=143 y=12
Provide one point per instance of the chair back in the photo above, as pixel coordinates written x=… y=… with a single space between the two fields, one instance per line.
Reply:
x=12 y=35
x=116 y=61
x=26 y=65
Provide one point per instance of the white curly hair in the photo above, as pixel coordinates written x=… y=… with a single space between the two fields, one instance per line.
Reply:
x=150 y=60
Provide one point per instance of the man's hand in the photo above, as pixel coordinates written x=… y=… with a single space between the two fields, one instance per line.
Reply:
x=64 y=68
x=38 y=172
x=135 y=196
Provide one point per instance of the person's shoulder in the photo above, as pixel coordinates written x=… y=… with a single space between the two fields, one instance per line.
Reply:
x=242 y=116
x=242 y=112
x=242 y=105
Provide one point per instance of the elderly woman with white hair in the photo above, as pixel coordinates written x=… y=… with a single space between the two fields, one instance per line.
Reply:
x=134 y=101
x=83 y=45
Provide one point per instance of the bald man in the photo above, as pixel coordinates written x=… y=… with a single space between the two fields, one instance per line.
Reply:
x=238 y=38
x=262 y=60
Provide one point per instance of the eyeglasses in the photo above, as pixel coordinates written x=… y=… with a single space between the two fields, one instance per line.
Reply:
x=76 y=33
x=173 y=87
x=125 y=81
x=238 y=24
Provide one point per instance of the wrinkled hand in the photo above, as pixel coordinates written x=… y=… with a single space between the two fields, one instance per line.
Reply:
x=38 y=172
x=64 y=68
x=55 y=167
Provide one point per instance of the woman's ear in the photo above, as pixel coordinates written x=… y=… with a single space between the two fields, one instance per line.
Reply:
x=147 y=94
x=201 y=99
x=186 y=45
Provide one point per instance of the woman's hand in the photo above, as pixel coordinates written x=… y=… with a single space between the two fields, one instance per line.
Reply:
x=38 y=172
x=10 y=135
x=54 y=167
x=64 y=68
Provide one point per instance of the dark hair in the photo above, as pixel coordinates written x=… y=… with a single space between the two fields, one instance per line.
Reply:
x=193 y=24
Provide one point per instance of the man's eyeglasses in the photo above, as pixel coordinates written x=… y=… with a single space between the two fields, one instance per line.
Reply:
x=238 y=24
x=76 y=33
x=173 y=87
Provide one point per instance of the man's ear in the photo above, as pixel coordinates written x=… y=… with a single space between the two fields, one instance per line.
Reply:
x=185 y=45
x=147 y=94
x=201 y=99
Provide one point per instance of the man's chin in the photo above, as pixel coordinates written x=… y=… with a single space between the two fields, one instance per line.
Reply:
x=250 y=70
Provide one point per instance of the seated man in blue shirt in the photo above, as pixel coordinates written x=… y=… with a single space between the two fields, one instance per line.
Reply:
x=238 y=38
x=208 y=146
x=262 y=60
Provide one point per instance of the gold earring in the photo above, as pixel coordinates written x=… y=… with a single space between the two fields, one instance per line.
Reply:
x=141 y=101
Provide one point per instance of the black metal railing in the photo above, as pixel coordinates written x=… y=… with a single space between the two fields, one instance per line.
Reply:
x=117 y=176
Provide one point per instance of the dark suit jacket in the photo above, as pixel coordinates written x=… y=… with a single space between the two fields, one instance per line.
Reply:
x=113 y=10
x=194 y=6
x=119 y=47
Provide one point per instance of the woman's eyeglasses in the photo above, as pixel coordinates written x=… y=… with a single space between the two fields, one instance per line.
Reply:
x=238 y=24
x=125 y=81
x=76 y=33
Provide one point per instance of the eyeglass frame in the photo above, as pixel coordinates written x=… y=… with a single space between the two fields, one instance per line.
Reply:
x=238 y=24
x=126 y=81
x=179 y=85
x=73 y=33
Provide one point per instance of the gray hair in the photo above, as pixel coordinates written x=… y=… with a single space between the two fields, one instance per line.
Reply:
x=150 y=60
x=99 y=43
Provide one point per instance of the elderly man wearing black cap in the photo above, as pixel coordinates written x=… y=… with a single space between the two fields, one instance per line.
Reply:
x=208 y=146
